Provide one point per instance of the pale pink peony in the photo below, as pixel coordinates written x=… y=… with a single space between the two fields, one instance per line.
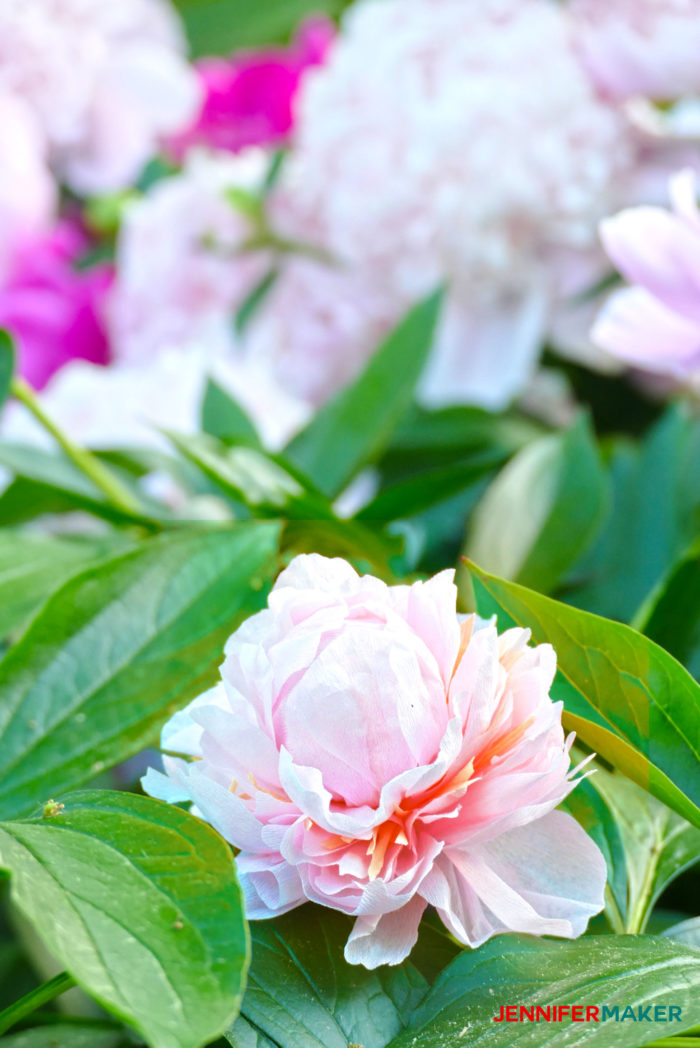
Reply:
x=105 y=82
x=640 y=47
x=249 y=99
x=54 y=310
x=367 y=750
x=655 y=325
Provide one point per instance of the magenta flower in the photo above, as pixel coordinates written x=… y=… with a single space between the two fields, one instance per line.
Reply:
x=249 y=99
x=367 y=750
x=54 y=310
x=655 y=325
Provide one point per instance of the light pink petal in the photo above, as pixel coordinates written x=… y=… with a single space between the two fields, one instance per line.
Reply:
x=305 y=788
x=430 y=609
x=684 y=197
x=182 y=733
x=387 y=939
x=638 y=329
x=360 y=711
x=658 y=251
x=164 y=787
x=314 y=572
x=270 y=886
x=547 y=878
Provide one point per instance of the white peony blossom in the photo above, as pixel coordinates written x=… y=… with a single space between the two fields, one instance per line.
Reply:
x=437 y=146
x=105 y=81
x=180 y=272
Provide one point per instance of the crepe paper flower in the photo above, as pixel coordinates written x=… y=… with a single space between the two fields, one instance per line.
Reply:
x=249 y=99
x=105 y=81
x=54 y=310
x=28 y=195
x=640 y=47
x=374 y=752
x=655 y=324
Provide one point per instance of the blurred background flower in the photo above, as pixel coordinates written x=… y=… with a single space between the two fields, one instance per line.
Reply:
x=420 y=143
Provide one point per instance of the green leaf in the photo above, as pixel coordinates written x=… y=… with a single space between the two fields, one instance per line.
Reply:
x=542 y=510
x=658 y=844
x=7 y=365
x=224 y=418
x=302 y=993
x=671 y=617
x=55 y=476
x=625 y=697
x=66 y=1035
x=139 y=901
x=117 y=650
x=355 y=427
x=251 y=476
x=687 y=932
x=645 y=533
x=34 y=566
x=416 y=494
x=272 y=489
x=426 y=439
x=612 y=970
x=217 y=27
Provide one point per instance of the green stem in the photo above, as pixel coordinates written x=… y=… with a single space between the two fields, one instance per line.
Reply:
x=35 y=999
x=103 y=478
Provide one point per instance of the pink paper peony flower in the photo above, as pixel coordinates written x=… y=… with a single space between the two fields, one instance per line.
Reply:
x=249 y=99
x=655 y=324
x=105 y=81
x=640 y=47
x=370 y=752
x=54 y=310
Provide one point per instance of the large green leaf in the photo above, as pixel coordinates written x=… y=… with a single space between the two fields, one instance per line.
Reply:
x=66 y=1035
x=356 y=426
x=626 y=698
x=217 y=27
x=542 y=510
x=34 y=566
x=409 y=497
x=139 y=901
x=303 y=994
x=428 y=439
x=671 y=617
x=59 y=481
x=117 y=650
x=654 y=517
x=658 y=844
x=613 y=970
